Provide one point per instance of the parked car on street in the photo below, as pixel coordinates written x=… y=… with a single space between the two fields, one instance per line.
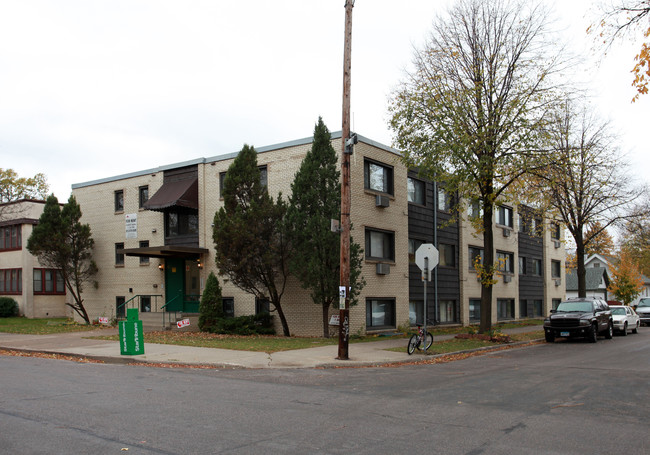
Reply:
x=625 y=318
x=580 y=317
x=643 y=310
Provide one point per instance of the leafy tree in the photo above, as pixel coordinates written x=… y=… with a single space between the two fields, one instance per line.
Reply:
x=252 y=247
x=601 y=242
x=586 y=183
x=627 y=17
x=14 y=188
x=636 y=235
x=60 y=241
x=471 y=113
x=315 y=200
x=211 y=307
x=625 y=282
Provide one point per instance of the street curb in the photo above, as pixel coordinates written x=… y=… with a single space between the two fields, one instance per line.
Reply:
x=329 y=365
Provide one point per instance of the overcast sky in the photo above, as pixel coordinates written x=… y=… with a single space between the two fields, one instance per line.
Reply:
x=92 y=89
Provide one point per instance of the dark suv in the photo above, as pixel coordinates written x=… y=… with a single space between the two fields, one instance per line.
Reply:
x=586 y=318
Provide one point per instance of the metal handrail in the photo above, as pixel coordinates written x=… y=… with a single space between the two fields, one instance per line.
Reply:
x=138 y=296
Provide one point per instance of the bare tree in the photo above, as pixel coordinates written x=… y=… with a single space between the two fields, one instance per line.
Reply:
x=472 y=112
x=587 y=183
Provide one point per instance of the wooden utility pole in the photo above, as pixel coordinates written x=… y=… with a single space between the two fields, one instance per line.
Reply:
x=346 y=150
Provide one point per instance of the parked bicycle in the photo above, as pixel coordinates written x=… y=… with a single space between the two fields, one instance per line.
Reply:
x=418 y=339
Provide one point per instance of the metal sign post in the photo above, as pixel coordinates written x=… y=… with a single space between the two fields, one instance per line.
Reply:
x=426 y=257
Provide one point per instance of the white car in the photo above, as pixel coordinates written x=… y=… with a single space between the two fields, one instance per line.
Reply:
x=625 y=318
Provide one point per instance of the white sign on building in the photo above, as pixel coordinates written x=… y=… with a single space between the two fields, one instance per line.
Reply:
x=131 y=225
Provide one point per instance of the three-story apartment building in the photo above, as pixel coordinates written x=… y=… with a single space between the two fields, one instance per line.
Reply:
x=153 y=237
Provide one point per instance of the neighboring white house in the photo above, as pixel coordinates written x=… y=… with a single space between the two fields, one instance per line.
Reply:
x=38 y=290
x=600 y=261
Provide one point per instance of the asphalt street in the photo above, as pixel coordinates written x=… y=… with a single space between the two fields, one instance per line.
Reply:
x=569 y=397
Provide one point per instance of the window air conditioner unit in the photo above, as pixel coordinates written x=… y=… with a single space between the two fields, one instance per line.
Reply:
x=556 y=243
x=506 y=232
x=507 y=278
x=381 y=201
x=383 y=269
x=558 y=282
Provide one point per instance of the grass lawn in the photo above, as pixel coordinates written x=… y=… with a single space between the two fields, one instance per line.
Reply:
x=265 y=343
x=42 y=326
x=456 y=344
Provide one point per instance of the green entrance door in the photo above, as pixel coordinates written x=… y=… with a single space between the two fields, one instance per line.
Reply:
x=174 y=283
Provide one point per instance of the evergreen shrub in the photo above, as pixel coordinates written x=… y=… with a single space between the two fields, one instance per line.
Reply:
x=8 y=307
x=259 y=324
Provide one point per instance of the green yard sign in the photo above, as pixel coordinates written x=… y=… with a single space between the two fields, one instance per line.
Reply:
x=131 y=341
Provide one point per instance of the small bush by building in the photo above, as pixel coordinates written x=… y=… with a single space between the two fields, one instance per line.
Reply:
x=8 y=307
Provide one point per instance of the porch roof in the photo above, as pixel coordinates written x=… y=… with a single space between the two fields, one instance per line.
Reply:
x=165 y=251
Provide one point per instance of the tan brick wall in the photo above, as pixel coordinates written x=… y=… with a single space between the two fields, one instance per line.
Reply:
x=471 y=288
x=109 y=228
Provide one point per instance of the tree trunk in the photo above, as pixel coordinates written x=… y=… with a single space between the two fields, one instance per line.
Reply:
x=326 y=313
x=580 y=265
x=488 y=262
x=275 y=299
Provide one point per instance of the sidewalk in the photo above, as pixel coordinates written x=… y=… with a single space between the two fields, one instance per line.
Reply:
x=360 y=354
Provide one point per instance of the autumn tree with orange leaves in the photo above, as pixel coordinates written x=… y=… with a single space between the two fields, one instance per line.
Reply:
x=625 y=280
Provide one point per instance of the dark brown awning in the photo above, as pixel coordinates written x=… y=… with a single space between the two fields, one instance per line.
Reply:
x=177 y=193
x=165 y=251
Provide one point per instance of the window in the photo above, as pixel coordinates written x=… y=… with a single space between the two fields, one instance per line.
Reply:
x=556 y=269
x=262 y=306
x=523 y=308
x=505 y=262
x=475 y=209
x=445 y=200
x=416 y=312
x=505 y=308
x=380 y=245
x=537 y=308
x=145 y=303
x=222 y=179
x=264 y=176
x=377 y=177
x=179 y=224
x=48 y=281
x=143 y=195
x=555 y=231
x=11 y=237
x=228 y=304
x=414 y=244
x=475 y=254
x=120 y=308
x=522 y=265
x=119 y=201
x=474 y=310
x=11 y=281
x=447 y=311
x=536 y=228
x=380 y=313
x=504 y=216
x=555 y=303
x=447 y=255
x=119 y=257
x=523 y=222
x=144 y=260
x=537 y=267
x=415 y=193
